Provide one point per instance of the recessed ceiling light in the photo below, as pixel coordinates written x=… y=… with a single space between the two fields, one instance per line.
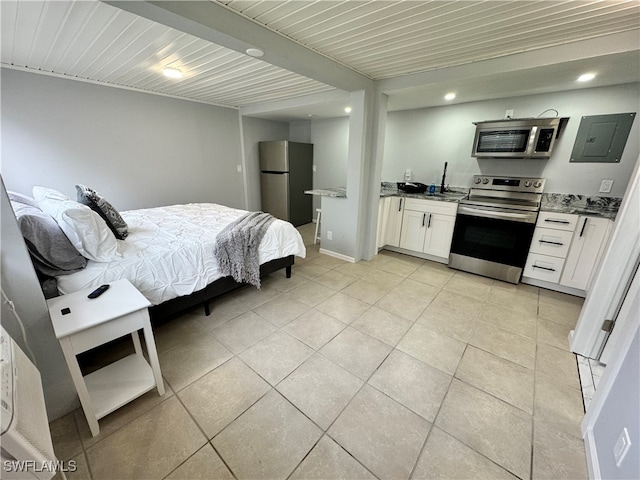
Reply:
x=347 y=109
x=586 y=77
x=171 y=72
x=450 y=96
x=254 y=52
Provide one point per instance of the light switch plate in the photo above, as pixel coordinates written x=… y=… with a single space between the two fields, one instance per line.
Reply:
x=622 y=446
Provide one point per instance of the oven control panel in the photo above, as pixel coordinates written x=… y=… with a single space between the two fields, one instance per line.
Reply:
x=509 y=184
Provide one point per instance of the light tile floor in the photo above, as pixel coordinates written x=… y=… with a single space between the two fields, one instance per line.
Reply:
x=393 y=368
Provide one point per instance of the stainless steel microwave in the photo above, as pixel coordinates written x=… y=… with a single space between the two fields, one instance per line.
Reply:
x=517 y=138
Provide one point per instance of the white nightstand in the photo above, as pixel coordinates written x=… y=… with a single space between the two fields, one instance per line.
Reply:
x=89 y=323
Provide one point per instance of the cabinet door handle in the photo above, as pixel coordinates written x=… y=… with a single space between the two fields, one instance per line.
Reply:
x=544 y=268
x=583 y=226
x=429 y=224
x=551 y=220
x=551 y=243
x=424 y=217
x=400 y=205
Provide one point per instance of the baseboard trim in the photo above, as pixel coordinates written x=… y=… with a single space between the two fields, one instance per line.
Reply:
x=553 y=286
x=593 y=465
x=341 y=256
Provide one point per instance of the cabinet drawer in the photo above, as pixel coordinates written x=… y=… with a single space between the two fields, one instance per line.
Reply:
x=431 y=206
x=547 y=241
x=557 y=221
x=543 y=267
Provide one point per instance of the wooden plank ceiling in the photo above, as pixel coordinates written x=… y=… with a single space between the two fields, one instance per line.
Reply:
x=383 y=39
x=92 y=41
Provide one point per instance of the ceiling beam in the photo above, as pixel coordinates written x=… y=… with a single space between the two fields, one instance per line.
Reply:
x=214 y=22
x=544 y=57
x=334 y=96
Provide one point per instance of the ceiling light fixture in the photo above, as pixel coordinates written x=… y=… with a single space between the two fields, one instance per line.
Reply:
x=586 y=77
x=254 y=52
x=347 y=109
x=450 y=96
x=171 y=72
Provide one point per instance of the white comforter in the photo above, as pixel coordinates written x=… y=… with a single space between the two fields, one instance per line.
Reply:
x=169 y=250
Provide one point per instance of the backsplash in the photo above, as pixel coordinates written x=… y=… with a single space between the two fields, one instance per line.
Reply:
x=580 y=204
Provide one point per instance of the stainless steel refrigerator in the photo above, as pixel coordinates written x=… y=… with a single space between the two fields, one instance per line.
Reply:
x=286 y=171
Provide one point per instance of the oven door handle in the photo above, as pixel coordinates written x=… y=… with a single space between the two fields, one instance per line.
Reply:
x=528 y=217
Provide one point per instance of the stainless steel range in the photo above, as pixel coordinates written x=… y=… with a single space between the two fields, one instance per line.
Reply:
x=494 y=226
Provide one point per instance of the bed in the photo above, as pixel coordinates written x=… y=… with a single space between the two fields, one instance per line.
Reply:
x=166 y=252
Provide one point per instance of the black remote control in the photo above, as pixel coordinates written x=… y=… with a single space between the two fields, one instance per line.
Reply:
x=98 y=291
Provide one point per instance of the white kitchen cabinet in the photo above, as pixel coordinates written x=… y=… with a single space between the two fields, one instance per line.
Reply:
x=439 y=234
x=547 y=241
x=394 y=221
x=557 y=221
x=389 y=221
x=413 y=230
x=549 y=246
x=383 y=215
x=543 y=267
x=585 y=251
x=427 y=226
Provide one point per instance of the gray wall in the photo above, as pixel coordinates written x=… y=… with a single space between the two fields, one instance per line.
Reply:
x=137 y=149
x=300 y=131
x=620 y=410
x=20 y=284
x=256 y=130
x=330 y=138
x=424 y=139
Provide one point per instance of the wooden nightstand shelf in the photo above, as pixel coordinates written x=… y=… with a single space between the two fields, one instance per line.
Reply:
x=120 y=311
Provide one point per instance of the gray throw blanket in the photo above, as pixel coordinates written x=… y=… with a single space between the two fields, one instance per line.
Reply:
x=237 y=244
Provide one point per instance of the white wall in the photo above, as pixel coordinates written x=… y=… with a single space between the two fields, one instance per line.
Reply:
x=256 y=130
x=300 y=131
x=330 y=138
x=424 y=139
x=137 y=149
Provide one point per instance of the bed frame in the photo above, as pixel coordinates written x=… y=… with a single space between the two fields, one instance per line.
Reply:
x=218 y=287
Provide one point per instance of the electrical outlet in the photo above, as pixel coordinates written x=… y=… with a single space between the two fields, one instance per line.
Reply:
x=508 y=114
x=605 y=186
x=622 y=446
x=329 y=235
x=314 y=169
x=239 y=168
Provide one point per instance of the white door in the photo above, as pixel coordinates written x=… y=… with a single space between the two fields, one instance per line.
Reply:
x=611 y=426
x=612 y=276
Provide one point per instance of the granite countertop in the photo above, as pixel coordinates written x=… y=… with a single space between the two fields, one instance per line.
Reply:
x=605 y=207
x=335 y=192
x=453 y=194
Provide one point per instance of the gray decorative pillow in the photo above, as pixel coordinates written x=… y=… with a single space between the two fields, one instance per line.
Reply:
x=89 y=197
x=51 y=251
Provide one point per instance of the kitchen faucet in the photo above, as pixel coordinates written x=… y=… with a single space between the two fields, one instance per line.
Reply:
x=444 y=175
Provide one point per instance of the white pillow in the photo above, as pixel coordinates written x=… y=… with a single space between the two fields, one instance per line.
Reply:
x=88 y=233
